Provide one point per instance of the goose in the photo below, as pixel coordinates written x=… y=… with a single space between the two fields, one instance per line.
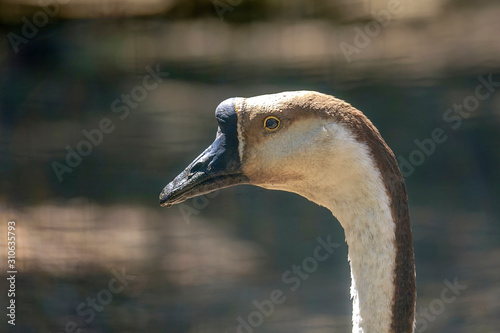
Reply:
x=327 y=151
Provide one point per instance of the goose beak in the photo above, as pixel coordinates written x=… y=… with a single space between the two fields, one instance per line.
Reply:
x=216 y=168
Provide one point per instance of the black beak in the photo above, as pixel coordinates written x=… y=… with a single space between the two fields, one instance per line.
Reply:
x=217 y=167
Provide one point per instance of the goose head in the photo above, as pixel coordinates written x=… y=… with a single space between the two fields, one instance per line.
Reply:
x=304 y=142
x=327 y=151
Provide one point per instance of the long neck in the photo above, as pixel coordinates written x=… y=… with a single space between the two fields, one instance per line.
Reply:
x=381 y=261
x=371 y=205
x=370 y=233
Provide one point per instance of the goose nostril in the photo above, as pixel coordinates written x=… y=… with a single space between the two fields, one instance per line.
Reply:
x=196 y=168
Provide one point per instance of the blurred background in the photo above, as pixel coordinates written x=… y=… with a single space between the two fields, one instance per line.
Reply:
x=148 y=75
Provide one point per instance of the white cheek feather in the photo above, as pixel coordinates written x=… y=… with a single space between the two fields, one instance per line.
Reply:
x=241 y=139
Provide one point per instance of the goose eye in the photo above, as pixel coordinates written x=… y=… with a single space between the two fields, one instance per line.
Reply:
x=271 y=123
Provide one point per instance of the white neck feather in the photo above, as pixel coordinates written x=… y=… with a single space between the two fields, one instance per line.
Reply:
x=364 y=213
x=369 y=232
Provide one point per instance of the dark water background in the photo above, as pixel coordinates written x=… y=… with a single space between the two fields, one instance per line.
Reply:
x=199 y=267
